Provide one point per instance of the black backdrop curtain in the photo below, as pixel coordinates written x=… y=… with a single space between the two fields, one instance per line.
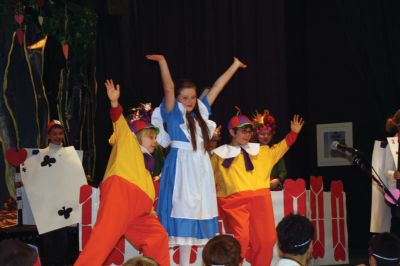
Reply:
x=343 y=66
x=372 y=30
x=199 y=39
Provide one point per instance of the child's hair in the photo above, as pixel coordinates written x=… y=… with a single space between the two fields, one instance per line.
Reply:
x=385 y=248
x=186 y=84
x=235 y=129
x=14 y=252
x=222 y=250
x=295 y=234
x=141 y=261
x=146 y=132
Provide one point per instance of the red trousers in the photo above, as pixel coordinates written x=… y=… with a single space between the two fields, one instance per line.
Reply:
x=249 y=217
x=125 y=210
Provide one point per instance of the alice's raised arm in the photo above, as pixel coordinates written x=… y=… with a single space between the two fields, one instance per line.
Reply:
x=168 y=84
x=220 y=83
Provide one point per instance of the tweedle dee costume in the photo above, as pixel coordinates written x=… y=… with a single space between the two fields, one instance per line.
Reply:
x=242 y=177
x=127 y=195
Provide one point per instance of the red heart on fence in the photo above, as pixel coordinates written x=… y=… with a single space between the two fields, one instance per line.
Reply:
x=340 y=253
x=16 y=157
x=295 y=187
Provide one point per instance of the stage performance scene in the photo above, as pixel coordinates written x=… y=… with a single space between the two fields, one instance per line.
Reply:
x=191 y=133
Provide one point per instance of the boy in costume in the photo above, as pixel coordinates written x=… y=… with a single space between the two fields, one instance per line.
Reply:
x=242 y=173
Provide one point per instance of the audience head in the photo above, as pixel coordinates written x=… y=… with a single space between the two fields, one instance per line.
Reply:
x=295 y=235
x=141 y=261
x=222 y=250
x=384 y=250
x=16 y=253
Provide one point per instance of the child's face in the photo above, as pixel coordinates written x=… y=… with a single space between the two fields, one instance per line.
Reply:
x=149 y=141
x=264 y=137
x=56 y=135
x=188 y=98
x=242 y=135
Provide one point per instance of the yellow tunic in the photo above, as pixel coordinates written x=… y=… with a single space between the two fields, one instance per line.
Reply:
x=236 y=178
x=126 y=159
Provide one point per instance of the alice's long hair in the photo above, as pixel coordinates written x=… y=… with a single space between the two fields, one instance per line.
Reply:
x=188 y=84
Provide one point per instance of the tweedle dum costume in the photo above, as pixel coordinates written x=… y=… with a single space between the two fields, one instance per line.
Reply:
x=242 y=177
x=127 y=195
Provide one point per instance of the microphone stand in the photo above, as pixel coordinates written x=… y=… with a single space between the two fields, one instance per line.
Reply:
x=359 y=159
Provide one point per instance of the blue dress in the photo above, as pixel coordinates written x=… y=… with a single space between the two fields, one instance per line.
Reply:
x=187 y=205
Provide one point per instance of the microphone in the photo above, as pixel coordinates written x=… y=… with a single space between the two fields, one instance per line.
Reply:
x=343 y=147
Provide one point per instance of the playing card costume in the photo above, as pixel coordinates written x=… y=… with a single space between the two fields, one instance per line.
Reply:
x=242 y=177
x=52 y=178
x=127 y=195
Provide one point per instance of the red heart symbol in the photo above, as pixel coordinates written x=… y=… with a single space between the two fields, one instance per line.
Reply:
x=318 y=250
x=316 y=183
x=19 y=18
x=16 y=157
x=295 y=187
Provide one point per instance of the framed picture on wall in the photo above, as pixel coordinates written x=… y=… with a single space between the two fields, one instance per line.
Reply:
x=326 y=134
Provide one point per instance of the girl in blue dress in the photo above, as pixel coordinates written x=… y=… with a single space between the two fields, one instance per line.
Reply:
x=187 y=205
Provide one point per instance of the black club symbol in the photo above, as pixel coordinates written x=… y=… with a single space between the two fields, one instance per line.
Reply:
x=47 y=160
x=66 y=212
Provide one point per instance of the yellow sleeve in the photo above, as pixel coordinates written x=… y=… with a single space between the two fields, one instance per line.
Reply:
x=278 y=150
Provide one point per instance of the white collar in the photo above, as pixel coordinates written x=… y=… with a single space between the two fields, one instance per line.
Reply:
x=144 y=150
x=288 y=262
x=229 y=151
